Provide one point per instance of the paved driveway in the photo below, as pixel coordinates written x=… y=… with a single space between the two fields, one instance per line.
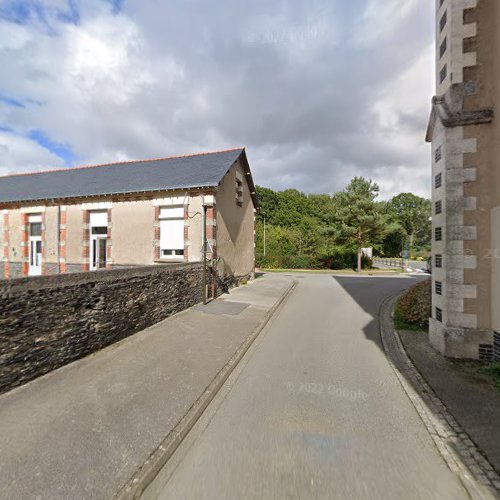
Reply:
x=314 y=411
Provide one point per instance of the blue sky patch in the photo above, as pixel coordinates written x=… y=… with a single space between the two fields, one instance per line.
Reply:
x=71 y=15
x=117 y=5
x=16 y=12
x=56 y=148
x=11 y=101
x=24 y=12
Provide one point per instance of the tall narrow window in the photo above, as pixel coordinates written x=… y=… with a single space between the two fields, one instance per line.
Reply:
x=172 y=233
x=439 y=314
x=438 y=154
x=438 y=234
x=438 y=181
x=35 y=245
x=438 y=207
x=443 y=21
x=438 y=261
x=443 y=73
x=438 y=286
x=443 y=47
x=98 y=239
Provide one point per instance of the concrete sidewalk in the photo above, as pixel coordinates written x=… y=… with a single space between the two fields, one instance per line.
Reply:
x=83 y=431
x=469 y=396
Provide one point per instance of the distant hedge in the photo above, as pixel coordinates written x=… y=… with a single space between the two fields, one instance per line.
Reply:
x=342 y=259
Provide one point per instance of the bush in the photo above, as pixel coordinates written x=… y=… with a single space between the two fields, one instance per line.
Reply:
x=341 y=259
x=415 y=306
x=288 y=262
x=346 y=258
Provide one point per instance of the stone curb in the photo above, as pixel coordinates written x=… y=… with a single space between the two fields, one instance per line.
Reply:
x=455 y=446
x=136 y=485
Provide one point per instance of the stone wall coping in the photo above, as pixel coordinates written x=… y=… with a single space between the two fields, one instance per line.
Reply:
x=9 y=288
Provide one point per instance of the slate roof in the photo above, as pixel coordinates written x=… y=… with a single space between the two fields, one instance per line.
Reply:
x=181 y=172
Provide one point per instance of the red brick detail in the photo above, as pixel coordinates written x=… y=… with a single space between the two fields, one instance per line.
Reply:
x=6 y=264
x=25 y=250
x=212 y=230
x=44 y=246
x=186 y=233
x=62 y=240
x=156 y=233
x=109 y=246
x=86 y=241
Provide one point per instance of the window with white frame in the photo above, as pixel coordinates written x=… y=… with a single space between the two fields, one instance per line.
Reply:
x=171 y=232
x=98 y=239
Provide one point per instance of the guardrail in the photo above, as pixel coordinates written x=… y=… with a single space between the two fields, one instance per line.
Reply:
x=398 y=263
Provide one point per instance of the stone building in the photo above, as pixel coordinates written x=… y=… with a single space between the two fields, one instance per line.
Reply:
x=465 y=138
x=131 y=214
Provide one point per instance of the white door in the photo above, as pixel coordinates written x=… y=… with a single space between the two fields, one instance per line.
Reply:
x=98 y=239
x=35 y=268
x=98 y=251
x=35 y=245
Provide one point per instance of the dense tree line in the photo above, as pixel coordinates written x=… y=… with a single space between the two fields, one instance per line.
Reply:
x=318 y=228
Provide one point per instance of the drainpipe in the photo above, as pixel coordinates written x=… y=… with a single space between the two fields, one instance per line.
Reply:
x=204 y=250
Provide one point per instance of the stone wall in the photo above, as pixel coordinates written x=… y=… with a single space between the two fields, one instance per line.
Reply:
x=49 y=321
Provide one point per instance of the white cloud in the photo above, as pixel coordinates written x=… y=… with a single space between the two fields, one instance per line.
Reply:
x=313 y=106
x=381 y=19
x=18 y=154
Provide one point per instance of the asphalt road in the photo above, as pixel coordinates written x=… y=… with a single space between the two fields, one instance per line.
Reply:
x=313 y=411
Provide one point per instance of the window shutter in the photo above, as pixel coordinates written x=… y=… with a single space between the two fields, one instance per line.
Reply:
x=98 y=219
x=172 y=213
x=172 y=234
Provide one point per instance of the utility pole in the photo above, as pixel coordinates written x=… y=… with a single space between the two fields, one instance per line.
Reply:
x=264 y=235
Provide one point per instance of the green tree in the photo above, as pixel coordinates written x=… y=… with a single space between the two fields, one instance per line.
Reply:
x=393 y=240
x=360 y=222
x=269 y=203
x=413 y=214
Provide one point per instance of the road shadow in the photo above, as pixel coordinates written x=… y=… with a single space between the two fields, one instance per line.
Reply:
x=370 y=293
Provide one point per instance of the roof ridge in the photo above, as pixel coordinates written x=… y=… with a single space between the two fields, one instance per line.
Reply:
x=128 y=162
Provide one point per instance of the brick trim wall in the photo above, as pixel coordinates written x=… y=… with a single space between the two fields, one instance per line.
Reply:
x=86 y=241
x=211 y=222
x=109 y=243
x=6 y=242
x=187 y=223
x=44 y=246
x=62 y=239
x=156 y=233
x=25 y=250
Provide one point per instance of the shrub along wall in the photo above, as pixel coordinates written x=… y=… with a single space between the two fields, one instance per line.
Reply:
x=49 y=321
x=342 y=259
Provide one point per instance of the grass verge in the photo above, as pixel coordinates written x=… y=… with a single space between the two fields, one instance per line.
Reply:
x=494 y=371
x=401 y=324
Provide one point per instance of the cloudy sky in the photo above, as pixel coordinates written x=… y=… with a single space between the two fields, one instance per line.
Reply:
x=316 y=90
